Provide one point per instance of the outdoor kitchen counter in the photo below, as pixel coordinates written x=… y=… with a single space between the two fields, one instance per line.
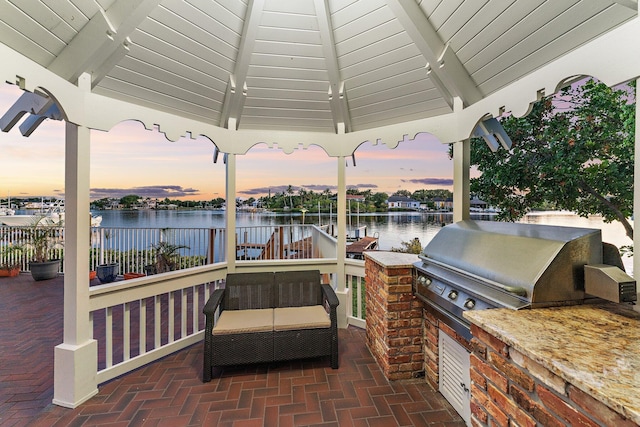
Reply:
x=594 y=347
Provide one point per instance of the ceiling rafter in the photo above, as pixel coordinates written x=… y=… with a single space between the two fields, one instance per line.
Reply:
x=111 y=28
x=236 y=93
x=337 y=91
x=443 y=64
x=631 y=4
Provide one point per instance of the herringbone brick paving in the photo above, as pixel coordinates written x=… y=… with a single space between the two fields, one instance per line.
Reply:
x=170 y=392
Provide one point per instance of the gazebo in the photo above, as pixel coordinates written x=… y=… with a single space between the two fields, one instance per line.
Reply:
x=291 y=74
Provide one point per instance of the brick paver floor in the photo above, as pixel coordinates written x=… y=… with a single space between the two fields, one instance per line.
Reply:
x=169 y=392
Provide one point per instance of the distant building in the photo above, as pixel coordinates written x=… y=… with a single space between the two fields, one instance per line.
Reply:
x=402 y=202
x=477 y=205
x=440 y=203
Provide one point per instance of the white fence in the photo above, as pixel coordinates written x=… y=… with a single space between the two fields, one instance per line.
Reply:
x=134 y=249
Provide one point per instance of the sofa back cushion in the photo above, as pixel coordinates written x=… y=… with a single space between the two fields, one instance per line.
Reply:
x=297 y=288
x=246 y=291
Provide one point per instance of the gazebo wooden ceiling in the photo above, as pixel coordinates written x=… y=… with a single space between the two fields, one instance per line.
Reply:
x=316 y=66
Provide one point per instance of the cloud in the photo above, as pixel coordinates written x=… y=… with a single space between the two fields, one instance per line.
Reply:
x=430 y=181
x=154 y=191
x=362 y=186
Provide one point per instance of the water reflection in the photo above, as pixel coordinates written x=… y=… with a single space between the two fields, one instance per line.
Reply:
x=391 y=228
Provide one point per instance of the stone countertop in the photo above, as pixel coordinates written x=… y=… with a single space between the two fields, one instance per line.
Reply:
x=594 y=347
x=392 y=259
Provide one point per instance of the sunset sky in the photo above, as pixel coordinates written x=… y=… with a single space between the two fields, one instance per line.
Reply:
x=132 y=160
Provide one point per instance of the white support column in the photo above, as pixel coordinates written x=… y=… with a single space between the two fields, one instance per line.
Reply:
x=461 y=193
x=76 y=359
x=636 y=193
x=230 y=212
x=341 y=218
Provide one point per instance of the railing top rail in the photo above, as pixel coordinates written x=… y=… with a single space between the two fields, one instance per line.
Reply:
x=107 y=295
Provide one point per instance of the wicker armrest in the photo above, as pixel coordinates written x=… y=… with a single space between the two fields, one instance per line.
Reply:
x=209 y=311
x=330 y=295
x=214 y=301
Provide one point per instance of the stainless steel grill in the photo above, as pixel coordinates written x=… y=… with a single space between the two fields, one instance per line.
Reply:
x=473 y=265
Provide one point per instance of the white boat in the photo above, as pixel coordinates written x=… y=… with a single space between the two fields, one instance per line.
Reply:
x=53 y=214
x=6 y=211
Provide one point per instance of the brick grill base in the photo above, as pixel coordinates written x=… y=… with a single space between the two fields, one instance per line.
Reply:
x=432 y=328
x=394 y=320
x=509 y=388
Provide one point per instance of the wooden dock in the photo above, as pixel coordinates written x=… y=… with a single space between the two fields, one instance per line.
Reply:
x=357 y=248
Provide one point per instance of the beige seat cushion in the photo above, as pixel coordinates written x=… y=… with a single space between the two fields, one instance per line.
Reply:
x=309 y=317
x=244 y=321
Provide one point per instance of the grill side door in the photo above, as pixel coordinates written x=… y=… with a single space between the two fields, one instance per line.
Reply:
x=454 y=380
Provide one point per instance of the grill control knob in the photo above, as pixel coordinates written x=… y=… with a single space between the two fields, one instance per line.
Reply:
x=469 y=303
x=453 y=295
x=424 y=280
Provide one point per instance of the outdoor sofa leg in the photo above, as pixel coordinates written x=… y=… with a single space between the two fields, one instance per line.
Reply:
x=206 y=369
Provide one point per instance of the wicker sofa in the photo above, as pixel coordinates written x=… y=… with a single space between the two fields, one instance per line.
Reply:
x=266 y=317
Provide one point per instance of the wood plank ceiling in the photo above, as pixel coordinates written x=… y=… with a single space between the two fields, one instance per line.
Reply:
x=311 y=65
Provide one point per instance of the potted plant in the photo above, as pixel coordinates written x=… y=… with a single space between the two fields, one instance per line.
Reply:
x=10 y=256
x=167 y=257
x=107 y=273
x=39 y=239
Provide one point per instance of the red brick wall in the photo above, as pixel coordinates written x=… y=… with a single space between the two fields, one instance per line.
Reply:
x=394 y=320
x=432 y=327
x=508 y=388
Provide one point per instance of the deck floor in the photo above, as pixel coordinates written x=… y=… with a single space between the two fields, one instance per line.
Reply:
x=170 y=392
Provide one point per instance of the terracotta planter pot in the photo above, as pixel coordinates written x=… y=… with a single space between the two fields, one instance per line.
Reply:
x=92 y=275
x=13 y=272
x=128 y=276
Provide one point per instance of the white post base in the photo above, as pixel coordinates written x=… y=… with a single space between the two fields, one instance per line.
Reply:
x=343 y=297
x=75 y=373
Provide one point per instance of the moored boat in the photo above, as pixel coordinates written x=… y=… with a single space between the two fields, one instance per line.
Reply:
x=52 y=215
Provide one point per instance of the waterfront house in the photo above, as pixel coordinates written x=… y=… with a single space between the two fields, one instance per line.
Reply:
x=288 y=74
x=440 y=203
x=477 y=205
x=402 y=202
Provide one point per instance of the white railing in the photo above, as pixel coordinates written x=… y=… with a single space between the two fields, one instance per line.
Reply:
x=355 y=283
x=134 y=249
x=141 y=320
x=20 y=236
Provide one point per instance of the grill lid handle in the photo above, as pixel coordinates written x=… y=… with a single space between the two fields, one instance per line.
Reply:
x=515 y=290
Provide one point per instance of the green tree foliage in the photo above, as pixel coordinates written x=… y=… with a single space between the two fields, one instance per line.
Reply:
x=379 y=200
x=412 y=247
x=129 y=200
x=573 y=151
x=402 y=193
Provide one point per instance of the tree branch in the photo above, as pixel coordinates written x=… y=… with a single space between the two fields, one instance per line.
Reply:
x=621 y=217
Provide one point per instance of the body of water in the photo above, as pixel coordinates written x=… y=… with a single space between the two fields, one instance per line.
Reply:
x=392 y=228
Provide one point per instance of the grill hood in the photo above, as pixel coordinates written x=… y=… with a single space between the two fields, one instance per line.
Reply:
x=518 y=264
